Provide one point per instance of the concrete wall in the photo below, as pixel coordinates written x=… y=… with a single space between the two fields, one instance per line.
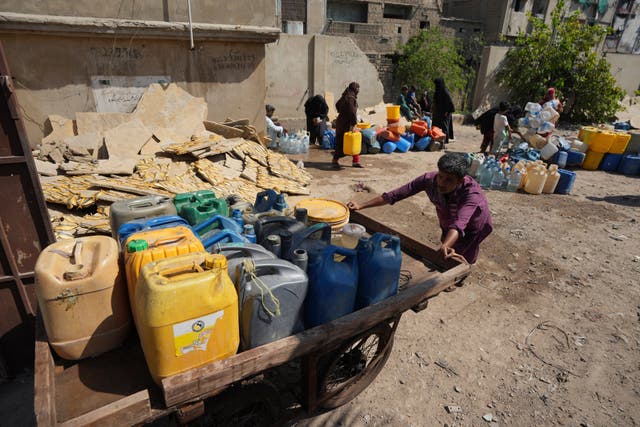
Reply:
x=238 y=12
x=487 y=92
x=53 y=74
x=300 y=66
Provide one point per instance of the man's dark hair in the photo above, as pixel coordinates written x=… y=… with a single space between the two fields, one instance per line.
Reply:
x=404 y=87
x=454 y=163
x=503 y=106
x=270 y=107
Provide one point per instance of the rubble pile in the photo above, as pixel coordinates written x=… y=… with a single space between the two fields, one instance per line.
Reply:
x=166 y=147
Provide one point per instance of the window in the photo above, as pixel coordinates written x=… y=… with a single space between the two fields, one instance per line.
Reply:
x=396 y=11
x=518 y=5
x=399 y=30
x=424 y=25
x=347 y=11
x=539 y=7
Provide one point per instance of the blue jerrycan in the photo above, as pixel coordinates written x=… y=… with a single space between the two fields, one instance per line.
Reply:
x=167 y=221
x=312 y=239
x=214 y=224
x=332 y=285
x=265 y=201
x=379 y=261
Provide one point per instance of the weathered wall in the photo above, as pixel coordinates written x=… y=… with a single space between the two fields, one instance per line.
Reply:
x=238 y=12
x=53 y=74
x=297 y=66
x=623 y=67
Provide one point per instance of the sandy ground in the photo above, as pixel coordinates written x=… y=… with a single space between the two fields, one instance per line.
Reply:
x=558 y=277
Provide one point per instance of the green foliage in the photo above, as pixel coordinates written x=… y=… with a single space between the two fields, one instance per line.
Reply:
x=563 y=55
x=431 y=55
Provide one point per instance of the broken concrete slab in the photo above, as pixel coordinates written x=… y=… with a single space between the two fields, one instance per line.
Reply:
x=113 y=166
x=165 y=136
x=60 y=128
x=92 y=122
x=151 y=148
x=173 y=108
x=91 y=142
x=126 y=140
x=46 y=168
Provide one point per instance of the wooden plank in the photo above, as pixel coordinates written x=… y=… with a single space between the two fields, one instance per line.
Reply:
x=130 y=410
x=44 y=387
x=408 y=244
x=210 y=379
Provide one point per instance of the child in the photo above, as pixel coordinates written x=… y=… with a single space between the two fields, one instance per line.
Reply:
x=500 y=128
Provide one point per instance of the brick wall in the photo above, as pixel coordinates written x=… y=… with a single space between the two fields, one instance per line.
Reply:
x=294 y=10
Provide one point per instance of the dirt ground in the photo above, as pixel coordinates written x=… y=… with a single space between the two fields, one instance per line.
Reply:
x=546 y=330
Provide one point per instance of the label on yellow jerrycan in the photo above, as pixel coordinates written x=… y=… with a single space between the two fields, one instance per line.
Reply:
x=187 y=313
x=152 y=245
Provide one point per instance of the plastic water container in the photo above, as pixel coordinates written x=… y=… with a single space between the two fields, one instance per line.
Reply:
x=269 y=225
x=546 y=127
x=129 y=228
x=630 y=164
x=82 y=296
x=536 y=179
x=565 y=184
x=265 y=201
x=214 y=224
x=553 y=177
x=420 y=128
x=403 y=145
x=328 y=140
x=152 y=245
x=514 y=180
x=423 y=143
x=577 y=145
x=620 y=143
x=197 y=206
x=137 y=209
x=389 y=147
x=601 y=141
x=333 y=285
x=393 y=112
x=575 y=158
x=352 y=143
x=548 y=151
x=187 y=313
x=610 y=162
x=562 y=159
x=237 y=252
x=351 y=234
x=379 y=261
x=592 y=160
x=533 y=107
x=271 y=295
x=313 y=240
x=634 y=143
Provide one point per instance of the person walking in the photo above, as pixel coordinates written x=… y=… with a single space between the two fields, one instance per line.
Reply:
x=316 y=110
x=442 y=109
x=347 y=107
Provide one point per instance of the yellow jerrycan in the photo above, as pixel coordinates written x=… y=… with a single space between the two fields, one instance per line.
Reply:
x=352 y=143
x=82 y=296
x=187 y=313
x=152 y=245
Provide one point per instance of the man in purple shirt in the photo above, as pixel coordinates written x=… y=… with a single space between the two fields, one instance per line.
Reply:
x=462 y=208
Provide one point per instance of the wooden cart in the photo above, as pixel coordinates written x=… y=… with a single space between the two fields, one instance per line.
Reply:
x=335 y=361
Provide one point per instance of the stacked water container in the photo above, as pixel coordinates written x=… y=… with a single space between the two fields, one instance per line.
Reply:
x=611 y=150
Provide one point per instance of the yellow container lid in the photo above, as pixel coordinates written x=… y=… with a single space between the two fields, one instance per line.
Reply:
x=325 y=210
x=363 y=125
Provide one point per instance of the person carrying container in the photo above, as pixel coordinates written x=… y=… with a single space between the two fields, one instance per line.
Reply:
x=347 y=107
x=462 y=208
x=403 y=102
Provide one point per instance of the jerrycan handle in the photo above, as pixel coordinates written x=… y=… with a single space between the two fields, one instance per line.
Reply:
x=304 y=234
x=264 y=200
x=393 y=242
x=225 y=234
x=77 y=270
x=207 y=222
x=147 y=202
x=173 y=271
x=267 y=220
x=168 y=240
x=349 y=254
x=166 y=220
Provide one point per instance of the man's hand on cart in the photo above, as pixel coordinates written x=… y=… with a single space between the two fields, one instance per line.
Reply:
x=446 y=252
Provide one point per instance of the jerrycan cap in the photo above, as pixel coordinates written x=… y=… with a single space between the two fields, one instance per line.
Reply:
x=137 y=246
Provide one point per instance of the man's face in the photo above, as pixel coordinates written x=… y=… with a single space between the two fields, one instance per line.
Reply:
x=270 y=113
x=447 y=182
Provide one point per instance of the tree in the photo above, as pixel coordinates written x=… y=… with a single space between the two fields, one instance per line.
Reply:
x=563 y=55
x=431 y=55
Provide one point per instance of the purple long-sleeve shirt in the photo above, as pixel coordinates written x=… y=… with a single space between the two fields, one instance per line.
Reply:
x=464 y=209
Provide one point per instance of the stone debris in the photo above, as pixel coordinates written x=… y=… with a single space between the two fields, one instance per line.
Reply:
x=165 y=147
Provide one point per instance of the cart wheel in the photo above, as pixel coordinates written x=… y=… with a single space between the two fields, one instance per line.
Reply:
x=350 y=369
